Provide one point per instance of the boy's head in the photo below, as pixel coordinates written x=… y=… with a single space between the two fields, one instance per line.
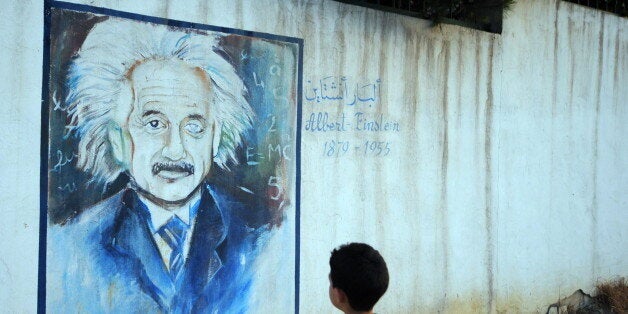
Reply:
x=358 y=277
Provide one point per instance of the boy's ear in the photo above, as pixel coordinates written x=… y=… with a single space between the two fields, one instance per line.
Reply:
x=342 y=296
x=340 y=299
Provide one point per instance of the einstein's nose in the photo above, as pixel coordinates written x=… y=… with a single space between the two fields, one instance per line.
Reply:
x=174 y=149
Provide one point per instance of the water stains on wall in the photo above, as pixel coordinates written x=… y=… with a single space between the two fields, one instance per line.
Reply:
x=503 y=188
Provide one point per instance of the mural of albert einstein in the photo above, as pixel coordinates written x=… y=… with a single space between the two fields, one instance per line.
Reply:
x=160 y=105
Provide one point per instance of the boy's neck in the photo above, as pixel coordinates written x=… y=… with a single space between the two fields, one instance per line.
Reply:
x=351 y=311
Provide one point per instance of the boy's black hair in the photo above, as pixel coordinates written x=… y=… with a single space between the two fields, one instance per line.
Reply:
x=360 y=271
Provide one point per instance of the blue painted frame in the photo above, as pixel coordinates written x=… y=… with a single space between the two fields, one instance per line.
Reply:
x=44 y=146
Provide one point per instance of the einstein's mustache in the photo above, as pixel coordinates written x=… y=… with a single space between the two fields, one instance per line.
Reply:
x=173 y=167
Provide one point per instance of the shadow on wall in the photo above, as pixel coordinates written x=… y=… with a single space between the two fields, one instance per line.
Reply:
x=486 y=15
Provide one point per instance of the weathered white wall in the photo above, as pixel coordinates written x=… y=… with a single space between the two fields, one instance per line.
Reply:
x=504 y=188
x=21 y=34
x=562 y=151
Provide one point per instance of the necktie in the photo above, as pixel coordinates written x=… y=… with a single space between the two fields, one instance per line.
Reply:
x=173 y=233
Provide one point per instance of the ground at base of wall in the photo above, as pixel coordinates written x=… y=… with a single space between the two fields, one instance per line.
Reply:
x=610 y=297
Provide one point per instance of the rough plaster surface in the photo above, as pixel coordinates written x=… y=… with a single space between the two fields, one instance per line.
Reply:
x=20 y=90
x=505 y=186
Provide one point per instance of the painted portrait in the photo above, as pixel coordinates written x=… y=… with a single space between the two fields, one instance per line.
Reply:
x=172 y=165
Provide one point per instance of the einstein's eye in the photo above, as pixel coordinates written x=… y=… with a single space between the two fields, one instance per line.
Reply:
x=194 y=127
x=154 y=125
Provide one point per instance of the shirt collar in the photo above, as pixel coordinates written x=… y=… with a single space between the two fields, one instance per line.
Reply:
x=160 y=216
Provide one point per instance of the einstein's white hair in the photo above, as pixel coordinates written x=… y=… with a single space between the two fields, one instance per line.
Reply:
x=99 y=71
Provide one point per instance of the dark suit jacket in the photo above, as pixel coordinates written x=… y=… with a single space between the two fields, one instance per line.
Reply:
x=106 y=261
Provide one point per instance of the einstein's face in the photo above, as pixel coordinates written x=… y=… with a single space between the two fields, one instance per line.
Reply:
x=168 y=149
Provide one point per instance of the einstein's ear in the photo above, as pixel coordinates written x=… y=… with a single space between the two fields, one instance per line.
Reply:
x=217 y=128
x=116 y=130
x=119 y=145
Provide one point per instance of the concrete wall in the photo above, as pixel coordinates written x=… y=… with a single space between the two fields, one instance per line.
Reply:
x=501 y=181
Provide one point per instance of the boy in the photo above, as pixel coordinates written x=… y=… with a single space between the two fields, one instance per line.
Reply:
x=358 y=278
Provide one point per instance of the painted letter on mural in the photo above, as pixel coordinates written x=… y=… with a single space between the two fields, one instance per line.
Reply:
x=172 y=168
